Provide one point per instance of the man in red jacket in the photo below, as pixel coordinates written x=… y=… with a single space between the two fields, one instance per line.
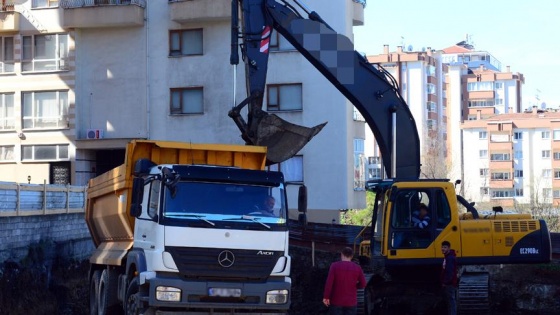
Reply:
x=345 y=277
x=448 y=277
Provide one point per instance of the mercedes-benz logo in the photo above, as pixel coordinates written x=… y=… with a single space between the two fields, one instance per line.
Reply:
x=226 y=258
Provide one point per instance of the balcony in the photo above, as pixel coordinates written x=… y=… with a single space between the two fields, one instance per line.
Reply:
x=358 y=16
x=103 y=13
x=184 y=11
x=9 y=19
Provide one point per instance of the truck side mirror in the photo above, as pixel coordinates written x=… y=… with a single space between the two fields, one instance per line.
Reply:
x=137 y=197
x=302 y=199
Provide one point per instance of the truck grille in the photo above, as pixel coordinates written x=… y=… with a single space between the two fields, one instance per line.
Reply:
x=204 y=263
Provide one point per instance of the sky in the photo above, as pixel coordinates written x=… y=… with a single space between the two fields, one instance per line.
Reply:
x=524 y=35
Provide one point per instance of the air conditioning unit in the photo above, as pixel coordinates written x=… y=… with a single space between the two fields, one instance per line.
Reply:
x=94 y=134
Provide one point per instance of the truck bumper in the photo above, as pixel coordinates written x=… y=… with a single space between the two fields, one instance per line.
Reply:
x=195 y=296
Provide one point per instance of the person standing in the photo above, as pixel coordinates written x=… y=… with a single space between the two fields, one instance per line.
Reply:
x=448 y=277
x=344 y=279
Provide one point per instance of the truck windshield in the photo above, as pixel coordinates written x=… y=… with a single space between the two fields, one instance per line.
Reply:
x=214 y=202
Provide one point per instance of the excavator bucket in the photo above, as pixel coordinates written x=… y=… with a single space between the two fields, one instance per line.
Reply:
x=282 y=138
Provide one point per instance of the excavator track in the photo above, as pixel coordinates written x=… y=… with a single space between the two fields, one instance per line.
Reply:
x=472 y=294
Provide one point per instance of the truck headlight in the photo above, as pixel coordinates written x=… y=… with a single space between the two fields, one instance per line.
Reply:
x=277 y=297
x=169 y=294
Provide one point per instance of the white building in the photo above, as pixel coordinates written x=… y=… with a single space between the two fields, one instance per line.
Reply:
x=80 y=79
x=421 y=79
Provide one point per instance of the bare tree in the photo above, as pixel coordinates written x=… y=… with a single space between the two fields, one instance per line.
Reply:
x=435 y=163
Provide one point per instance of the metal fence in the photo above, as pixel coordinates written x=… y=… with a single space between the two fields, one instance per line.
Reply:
x=69 y=4
x=31 y=199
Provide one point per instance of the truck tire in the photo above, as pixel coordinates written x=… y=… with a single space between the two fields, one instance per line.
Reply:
x=131 y=298
x=106 y=294
x=93 y=285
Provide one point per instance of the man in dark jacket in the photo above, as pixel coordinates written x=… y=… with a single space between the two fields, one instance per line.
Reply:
x=449 y=277
x=345 y=277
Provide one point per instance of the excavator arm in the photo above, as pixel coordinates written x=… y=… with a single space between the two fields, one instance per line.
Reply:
x=362 y=83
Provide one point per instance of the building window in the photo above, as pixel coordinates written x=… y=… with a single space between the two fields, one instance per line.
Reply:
x=556 y=134
x=498 y=85
x=546 y=173
x=518 y=135
x=518 y=192
x=187 y=101
x=502 y=193
x=482 y=135
x=430 y=88
x=431 y=107
x=357 y=115
x=431 y=124
x=483 y=172
x=518 y=174
x=7 y=115
x=480 y=86
x=500 y=176
x=44 y=3
x=545 y=154
x=292 y=169
x=279 y=43
x=483 y=154
x=45 y=109
x=55 y=152
x=556 y=173
x=6 y=54
x=556 y=193
x=481 y=103
x=430 y=70
x=374 y=173
x=484 y=191
x=359 y=165
x=185 y=42
x=499 y=101
x=545 y=134
x=547 y=192
x=284 y=97
x=557 y=155
x=7 y=153
x=518 y=154
x=45 y=52
x=500 y=157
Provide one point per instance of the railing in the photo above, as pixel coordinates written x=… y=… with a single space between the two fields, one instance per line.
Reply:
x=7 y=6
x=70 y=4
x=32 y=199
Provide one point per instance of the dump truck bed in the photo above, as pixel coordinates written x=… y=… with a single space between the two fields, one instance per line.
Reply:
x=109 y=194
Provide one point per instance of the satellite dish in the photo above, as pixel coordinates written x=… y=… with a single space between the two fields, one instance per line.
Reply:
x=409 y=47
x=423 y=49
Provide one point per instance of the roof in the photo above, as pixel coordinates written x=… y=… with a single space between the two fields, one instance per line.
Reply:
x=456 y=49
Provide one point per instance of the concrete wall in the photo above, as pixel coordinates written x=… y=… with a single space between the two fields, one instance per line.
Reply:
x=64 y=235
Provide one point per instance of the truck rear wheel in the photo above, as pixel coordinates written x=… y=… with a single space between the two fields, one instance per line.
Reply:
x=132 y=304
x=93 y=285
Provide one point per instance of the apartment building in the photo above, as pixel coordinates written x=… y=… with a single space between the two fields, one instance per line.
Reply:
x=420 y=76
x=37 y=100
x=513 y=159
x=81 y=78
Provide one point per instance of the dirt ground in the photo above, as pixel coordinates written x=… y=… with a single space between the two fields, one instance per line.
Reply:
x=63 y=289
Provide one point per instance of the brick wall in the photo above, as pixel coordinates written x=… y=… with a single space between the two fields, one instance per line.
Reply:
x=66 y=234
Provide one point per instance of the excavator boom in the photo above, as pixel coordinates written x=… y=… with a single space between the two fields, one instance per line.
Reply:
x=362 y=83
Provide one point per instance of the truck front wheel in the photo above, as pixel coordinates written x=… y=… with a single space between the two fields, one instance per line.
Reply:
x=132 y=302
x=93 y=285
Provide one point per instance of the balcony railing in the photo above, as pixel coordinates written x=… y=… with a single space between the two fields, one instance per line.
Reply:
x=7 y=6
x=70 y=4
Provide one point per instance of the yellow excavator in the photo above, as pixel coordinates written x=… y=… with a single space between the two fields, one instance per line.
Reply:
x=402 y=260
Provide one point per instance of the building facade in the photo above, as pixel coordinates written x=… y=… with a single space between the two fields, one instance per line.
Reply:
x=513 y=159
x=421 y=80
x=81 y=78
